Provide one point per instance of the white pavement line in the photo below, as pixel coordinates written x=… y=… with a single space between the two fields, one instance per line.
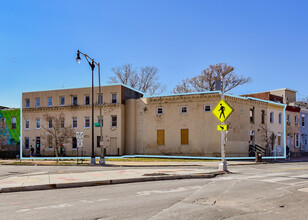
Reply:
x=278 y=179
x=181 y=189
x=86 y=201
x=100 y=200
x=23 y=210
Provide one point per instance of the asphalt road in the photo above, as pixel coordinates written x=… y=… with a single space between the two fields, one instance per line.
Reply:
x=266 y=191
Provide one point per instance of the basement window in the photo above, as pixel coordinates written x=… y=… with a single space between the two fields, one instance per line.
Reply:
x=160 y=110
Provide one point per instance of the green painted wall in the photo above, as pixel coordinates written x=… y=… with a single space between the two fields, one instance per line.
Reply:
x=13 y=134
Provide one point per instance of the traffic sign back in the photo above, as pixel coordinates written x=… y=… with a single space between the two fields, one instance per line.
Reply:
x=222 y=111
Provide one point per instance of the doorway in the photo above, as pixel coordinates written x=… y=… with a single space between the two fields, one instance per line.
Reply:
x=38 y=146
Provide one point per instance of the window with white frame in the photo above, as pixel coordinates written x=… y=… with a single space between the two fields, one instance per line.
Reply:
x=27 y=103
x=27 y=124
x=272 y=117
x=74 y=100
x=87 y=122
x=184 y=109
x=98 y=121
x=303 y=120
x=288 y=119
x=49 y=101
x=113 y=98
x=87 y=100
x=296 y=140
x=38 y=123
x=296 y=119
x=114 y=121
x=100 y=99
x=62 y=122
x=160 y=110
x=207 y=108
x=62 y=100
x=280 y=118
x=74 y=124
x=27 y=142
x=37 y=102
x=13 y=122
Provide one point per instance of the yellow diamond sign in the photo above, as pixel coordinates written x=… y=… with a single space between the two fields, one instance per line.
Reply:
x=222 y=111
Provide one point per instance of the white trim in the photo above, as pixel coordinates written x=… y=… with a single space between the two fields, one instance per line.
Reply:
x=36 y=123
x=162 y=109
x=114 y=93
x=26 y=123
x=86 y=117
x=48 y=101
x=207 y=105
x=73 y=122
x=181 y=109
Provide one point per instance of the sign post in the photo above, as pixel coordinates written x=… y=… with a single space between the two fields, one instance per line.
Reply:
x=222 y=111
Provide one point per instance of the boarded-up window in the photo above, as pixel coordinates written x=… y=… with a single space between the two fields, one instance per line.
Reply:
x=184 y=136
x=160 y=137
x=279 y=140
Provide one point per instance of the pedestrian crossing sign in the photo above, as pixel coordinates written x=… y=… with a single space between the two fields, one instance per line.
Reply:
x=222 y=111
x=222 y=127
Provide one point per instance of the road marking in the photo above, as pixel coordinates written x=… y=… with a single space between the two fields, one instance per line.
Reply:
x=23 y=210
x=181 y=189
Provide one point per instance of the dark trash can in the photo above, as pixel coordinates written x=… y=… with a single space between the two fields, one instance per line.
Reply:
x=258 y=157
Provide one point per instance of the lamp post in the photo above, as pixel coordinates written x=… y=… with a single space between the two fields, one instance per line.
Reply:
x=223 y=164
x=92 y=65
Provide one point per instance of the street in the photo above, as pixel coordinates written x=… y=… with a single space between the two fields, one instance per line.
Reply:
x=265 y=191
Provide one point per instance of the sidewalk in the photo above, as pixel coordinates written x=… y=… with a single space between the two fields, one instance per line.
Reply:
x=44 y=181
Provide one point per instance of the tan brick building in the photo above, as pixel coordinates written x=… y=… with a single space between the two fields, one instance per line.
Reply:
x=160 y=125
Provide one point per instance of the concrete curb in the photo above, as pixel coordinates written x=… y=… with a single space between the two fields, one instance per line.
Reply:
x=107 y=182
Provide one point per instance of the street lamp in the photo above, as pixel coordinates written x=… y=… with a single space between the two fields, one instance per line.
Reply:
x=223 y=164
x=92 y=65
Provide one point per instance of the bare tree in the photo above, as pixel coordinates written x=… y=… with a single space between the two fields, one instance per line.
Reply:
x=3 y=133
x=267 y=137
x=207 y=79
x=56 y=134
x=145 y=79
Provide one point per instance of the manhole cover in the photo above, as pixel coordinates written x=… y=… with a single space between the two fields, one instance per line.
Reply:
x=155 y=174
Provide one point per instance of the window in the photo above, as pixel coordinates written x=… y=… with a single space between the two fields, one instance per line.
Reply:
x=288 y=119
x=296 y=140
x=50 y=123
x=50 y=101
x=160 y=137
x=74 y=122
x=113 y=98
x=27 y=123
x=98 y=121
x=74 y=143
x=87 y=100
x=74 y=100
x=27 y=104
x=296 y=120
x=262 y=116
x=184 y=109
x=303 y=120
x=113 y=121
x=2 y=121
x=27 y=143
x=280 y=119
x=87 y=122
x=252 y=115
x=98 y=139
x=38 y=123
x=100 y=100
x=271 y=117
x=49 y=141
x=13 y=122
x=160 y=110
x=62 y=100
x=184 y=136
x=62 y=122
x=37 y=102
x=207 y=108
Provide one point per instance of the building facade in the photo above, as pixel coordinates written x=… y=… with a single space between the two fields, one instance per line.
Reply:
x=159 y=125
x=74 y=108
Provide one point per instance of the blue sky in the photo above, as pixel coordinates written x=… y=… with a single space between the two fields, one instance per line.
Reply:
x=266 y=40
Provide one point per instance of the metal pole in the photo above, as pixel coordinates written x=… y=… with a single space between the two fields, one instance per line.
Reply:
x=102 y=159
x=223 y=164
x=92 y=125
